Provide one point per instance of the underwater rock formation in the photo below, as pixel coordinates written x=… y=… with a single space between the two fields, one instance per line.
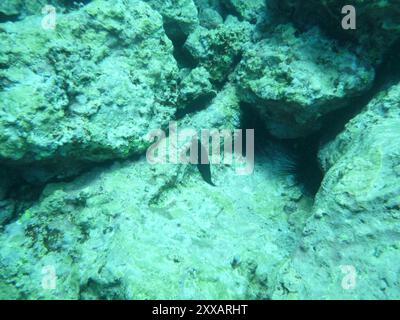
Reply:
x=11 y=10
x=219 y=49
x=355 y=219
x=90 y=90
x=377 y=26
x=248 y=10
x=79 y=199
x=294 y=79
x=180 y=17
x=121 y=233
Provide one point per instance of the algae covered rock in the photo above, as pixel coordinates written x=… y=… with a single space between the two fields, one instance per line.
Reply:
x=223 y=112
x=248 y=10
x=210 y=18
x=180 y=16
x=377 y=22
x=89 y=90
x=293 y=79
x=120 y=232
x=218 y=50
x=350 y=246
x=13 y=9
x=22 y=8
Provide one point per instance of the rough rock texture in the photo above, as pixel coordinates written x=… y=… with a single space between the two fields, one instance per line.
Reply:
x=18 y=9
x=195 y=88
x=222 y=113
x=356 y=217
x=93 y=89
x=122 y=232
x=180 y=16
x=218 y=50
x=89 y=99
x=210 y=18
x=248 y=10
x=377 y=21
x=294 y=79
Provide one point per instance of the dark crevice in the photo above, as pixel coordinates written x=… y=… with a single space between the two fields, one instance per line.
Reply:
x=184 y=58
x=299 y=157
x=387 y=74
x=178 y=38
x=225 y=11
x=8 y=18
x=294 y=157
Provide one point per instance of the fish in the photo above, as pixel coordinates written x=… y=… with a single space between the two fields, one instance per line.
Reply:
x=204 y=169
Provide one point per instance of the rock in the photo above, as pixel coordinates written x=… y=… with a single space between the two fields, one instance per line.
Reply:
x=209 y=4
x=88 y=91
x=196 y=88
x=222 y=113
x=350 y=244
x=377 y=22
x=294 y=79
x=248 y=10
x=19 y=9
x=180 y=17
x=218 y=50
x=210 y=18
x=122 y=233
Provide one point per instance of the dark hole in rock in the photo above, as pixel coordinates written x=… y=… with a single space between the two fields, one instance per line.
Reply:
x=291 y=157
x=7 y=18
x=178 y=38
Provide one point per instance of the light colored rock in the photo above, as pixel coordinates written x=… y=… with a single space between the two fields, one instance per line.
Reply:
x=23 y=8
x=248 y=10
x=124 y=233
x=356 y=218
x=91 y=89
x=294 y=79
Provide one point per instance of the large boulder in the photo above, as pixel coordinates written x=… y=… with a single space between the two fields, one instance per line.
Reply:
x=350 y=247
x=377 y=22
x=89 y=90
x=295 y=78
x=122 y=233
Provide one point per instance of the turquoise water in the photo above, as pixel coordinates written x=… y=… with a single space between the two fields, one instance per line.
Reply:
x=199 y=149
